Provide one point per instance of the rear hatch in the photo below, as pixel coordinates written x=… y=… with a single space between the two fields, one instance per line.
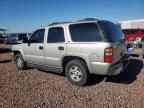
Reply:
x=114 y=35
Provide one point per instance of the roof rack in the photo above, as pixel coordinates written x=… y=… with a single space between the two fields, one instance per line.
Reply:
x=56 y=23
x=88 y=19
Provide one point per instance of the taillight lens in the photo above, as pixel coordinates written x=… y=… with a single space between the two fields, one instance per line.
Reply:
x=108 y=55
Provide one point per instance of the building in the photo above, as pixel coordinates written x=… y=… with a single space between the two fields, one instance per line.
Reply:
x=131 y=24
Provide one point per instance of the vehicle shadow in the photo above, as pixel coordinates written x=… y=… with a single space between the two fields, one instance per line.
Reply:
x=129 y=75
x=4 y=50
x=95 y=79
x=126 y=77
x=5 y=61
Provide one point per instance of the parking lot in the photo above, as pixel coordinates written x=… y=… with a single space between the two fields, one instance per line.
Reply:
x=33 y=88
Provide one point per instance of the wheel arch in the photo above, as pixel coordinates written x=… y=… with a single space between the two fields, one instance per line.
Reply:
x=18 y=52
x=68 y=58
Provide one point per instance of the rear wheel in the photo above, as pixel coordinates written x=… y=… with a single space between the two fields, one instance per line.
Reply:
x=76 y=72
x=19 y=61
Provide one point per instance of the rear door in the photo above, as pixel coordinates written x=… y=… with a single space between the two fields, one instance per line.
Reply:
x=113 y=34
x=55 y=46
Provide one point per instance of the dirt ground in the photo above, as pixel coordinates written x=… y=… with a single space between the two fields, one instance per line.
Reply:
x=33 y=88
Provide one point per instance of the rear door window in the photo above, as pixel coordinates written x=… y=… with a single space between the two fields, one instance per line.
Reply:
x=112 y=32
x=56 y=35
x=86 y=32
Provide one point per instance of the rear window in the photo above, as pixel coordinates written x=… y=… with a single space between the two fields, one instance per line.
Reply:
x=86 y=32
x=56 y=35
x=111 y=31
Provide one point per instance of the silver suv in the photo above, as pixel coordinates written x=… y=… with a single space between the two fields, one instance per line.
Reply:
x=77 y=48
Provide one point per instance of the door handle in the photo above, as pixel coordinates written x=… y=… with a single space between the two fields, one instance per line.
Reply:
x=41 y=47
x=60 y=48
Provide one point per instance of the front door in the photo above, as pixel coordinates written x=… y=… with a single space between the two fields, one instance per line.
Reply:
x=34 y=49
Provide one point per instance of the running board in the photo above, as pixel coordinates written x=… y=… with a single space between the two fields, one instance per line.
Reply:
x=45 y=68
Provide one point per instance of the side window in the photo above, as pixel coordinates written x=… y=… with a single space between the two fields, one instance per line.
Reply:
x=56 y=35
x=86 y=32
x=37 y=36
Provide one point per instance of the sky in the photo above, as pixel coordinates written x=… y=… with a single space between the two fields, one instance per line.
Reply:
x=28 y=15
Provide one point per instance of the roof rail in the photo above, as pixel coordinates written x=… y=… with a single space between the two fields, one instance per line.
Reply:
x=56 y=23
x=88 y=19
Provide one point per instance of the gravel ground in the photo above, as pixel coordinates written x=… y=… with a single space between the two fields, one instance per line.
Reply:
x=33 y=88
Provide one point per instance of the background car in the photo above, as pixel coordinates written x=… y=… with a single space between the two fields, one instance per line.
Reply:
x=11 y=39
x=2 y=38
x=16 y=38
x=133 y=34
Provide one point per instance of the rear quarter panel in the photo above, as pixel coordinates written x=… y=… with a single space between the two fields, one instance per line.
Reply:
x=90 y=52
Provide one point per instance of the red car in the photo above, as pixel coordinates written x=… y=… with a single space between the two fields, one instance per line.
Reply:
x=133 y=34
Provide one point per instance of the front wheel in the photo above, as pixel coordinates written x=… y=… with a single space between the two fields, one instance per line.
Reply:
x=19 y=61
x=76 y=72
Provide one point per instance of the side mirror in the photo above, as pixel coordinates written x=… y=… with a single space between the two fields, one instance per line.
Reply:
x=25 y=39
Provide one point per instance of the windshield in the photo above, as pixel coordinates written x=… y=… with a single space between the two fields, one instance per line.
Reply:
x=111 y=31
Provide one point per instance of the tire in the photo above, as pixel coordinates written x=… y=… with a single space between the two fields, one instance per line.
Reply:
x=19 y=61
x=76 y=72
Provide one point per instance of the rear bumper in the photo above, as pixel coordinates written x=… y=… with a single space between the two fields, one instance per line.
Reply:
x=110 y=69
x=116 y=69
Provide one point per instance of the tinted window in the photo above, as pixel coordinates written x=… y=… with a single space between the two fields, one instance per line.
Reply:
x=112 y=32
x=37 y=36
x=87 y=32
x=56 y=35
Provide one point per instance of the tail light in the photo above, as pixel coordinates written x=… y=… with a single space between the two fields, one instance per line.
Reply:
x=108 y=55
